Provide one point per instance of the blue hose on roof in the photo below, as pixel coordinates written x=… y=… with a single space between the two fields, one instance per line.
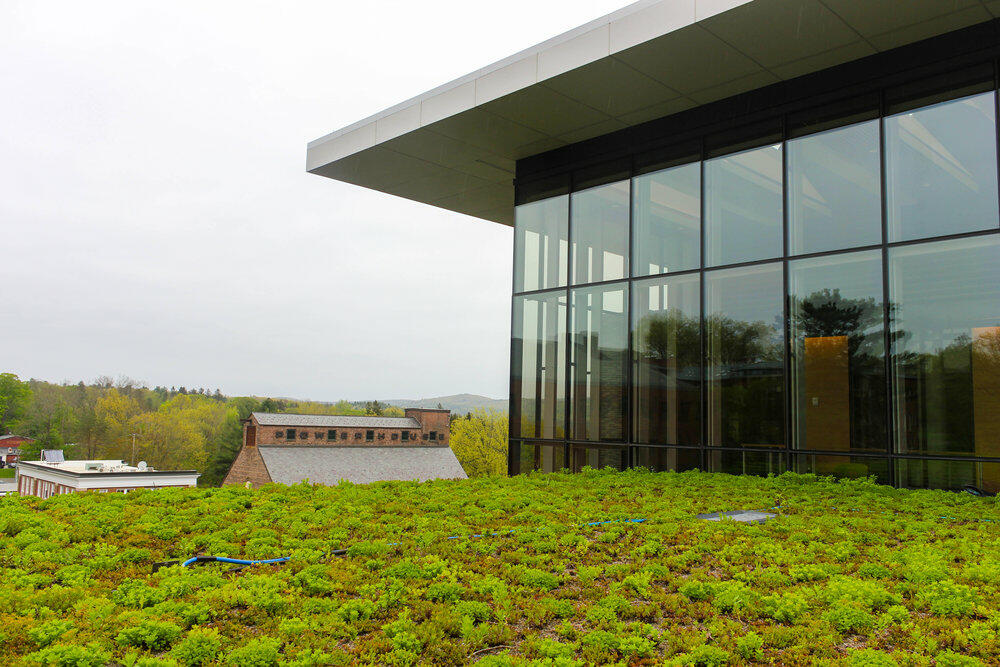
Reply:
x=236 y=561
x=343 y=552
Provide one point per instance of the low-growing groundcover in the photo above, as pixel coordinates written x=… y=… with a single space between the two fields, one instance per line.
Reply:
x=849 y=573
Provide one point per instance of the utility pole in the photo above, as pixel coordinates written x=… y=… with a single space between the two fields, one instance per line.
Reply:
x=134 y=435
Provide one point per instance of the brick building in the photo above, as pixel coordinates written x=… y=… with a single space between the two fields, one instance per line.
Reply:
x=50 y=478
x=10 y=449
x=324 y=449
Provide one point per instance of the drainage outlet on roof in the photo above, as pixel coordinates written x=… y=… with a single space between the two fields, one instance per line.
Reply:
x=743 y=516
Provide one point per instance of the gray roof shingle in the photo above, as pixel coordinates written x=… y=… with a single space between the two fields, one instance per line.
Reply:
x=360 y=465
x=333 y=421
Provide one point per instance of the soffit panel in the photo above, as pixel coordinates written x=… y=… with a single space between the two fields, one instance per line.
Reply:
x=794 y=30
x=456 y=146
x=623 y=88
x=877 y=17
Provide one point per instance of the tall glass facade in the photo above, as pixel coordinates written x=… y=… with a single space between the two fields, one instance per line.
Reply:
x=825 y=303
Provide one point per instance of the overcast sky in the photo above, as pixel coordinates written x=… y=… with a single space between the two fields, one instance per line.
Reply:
x=157 y=220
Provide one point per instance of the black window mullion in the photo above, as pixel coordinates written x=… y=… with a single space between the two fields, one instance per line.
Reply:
x=786 y=311
x=703 y=356
x=890 y=429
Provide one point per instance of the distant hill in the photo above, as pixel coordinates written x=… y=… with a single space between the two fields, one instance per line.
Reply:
x=459 y=403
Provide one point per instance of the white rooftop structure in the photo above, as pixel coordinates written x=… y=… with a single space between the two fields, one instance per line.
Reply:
x=44 y=478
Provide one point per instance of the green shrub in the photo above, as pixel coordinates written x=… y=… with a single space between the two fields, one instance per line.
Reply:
x=314 y=580
x=704 y=656
x=444 y=591
x=867 y=593
x=477 y=611
x=695 y=590
x=946 y=598
x=951 y=659
x=785 y=607
x=200 y=647
x=533 y=578
x=750 y=647
x=156 y=635
x=635 y=646
x=133 y=593
x=735 y=597
x=261 y=652
x=849 y=617
x=48 y=632
x=63 y=655
x=871 y=658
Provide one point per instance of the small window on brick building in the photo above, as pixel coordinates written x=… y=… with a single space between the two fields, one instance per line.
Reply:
x=290 y=434
x=357 y=435
x=318 y=435
x=406 y=435
x=304 y=435
x=343 y=435
x=433 y=435
x=395 y=436
x=381 y=436
x=425 y=436
x=331 y=435
x=369 y=435
x=279 y=434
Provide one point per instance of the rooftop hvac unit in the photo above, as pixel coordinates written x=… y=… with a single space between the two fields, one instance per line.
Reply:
x=96 y=467
x=53 y=456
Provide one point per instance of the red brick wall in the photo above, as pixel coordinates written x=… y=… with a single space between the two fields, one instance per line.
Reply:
x=248 y=466
x=432 y=420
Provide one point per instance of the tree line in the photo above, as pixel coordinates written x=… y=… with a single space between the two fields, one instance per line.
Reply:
x=197 y=429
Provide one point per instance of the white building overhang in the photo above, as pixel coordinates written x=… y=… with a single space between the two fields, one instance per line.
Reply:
x=456 y=146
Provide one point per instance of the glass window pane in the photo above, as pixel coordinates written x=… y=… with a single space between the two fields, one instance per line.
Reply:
x=541 y=244
x=941 y=169
x=843 y=467
x=744 y=325
x=538 y=366
x=666 y=403
x=598 y=357
x=543 y=458
x=743 y=212
x=954 y=475
x=838 y=359
x=662 y=459
x=747 y=463
x=946 y=346
x=596 y=457
x=600 y=233
x=834 y=197
x=667 y=212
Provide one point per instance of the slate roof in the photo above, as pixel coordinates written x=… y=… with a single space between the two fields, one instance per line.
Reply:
x=332 y=421
x=360 y=465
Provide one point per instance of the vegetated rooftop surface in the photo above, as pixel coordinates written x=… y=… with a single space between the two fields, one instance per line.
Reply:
x=848 y=573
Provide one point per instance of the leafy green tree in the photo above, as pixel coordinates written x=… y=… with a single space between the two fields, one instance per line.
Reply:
x=49 y=419
x=480 y=442
x=15 y=396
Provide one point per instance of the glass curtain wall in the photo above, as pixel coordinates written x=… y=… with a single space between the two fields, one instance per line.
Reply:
x=745 y=371
x=666 y=360
x=828 y=304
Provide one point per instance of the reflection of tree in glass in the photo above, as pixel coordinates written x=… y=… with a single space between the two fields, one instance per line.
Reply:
x=738 y=342
x=827 y=313
x=671 y=336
